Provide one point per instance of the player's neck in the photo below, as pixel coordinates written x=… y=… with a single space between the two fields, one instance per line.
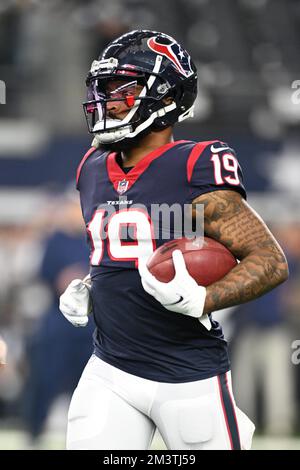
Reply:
x=148 y=144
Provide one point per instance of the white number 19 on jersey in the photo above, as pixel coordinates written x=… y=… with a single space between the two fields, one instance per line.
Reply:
x=142 y=246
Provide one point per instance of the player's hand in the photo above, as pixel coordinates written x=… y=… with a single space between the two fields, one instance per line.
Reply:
x=182 y=294
x=75 y=302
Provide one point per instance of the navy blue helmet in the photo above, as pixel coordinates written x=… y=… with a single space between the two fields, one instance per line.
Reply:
x=148 y=67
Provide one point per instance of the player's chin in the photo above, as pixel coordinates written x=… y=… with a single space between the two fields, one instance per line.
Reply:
x=121 y=145
x=124 y=144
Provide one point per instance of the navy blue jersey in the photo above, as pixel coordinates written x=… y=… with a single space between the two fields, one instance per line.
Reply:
x=134 y=332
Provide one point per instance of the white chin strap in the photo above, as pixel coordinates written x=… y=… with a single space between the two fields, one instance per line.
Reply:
x=115 y=134
x=108 y=136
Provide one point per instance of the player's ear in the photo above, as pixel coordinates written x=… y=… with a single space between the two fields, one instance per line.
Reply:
x=168 y=100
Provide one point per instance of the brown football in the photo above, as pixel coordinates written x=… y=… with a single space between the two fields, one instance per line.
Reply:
x=206 y=260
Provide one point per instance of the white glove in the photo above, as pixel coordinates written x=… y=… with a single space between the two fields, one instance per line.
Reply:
x=182 y=294
x=75 y=302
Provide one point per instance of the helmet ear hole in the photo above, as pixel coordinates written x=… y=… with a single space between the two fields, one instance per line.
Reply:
x=168 y=100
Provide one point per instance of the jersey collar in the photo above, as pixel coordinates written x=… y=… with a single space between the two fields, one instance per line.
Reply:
x=122 y=181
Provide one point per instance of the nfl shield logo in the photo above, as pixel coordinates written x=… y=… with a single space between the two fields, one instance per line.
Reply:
x=122 y=186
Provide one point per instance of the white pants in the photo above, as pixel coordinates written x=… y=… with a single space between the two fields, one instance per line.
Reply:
x=111 y=409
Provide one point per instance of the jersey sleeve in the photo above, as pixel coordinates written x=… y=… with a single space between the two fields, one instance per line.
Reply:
x=214 y=166
x=80 y=166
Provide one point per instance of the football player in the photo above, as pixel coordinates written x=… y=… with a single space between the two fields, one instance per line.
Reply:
x=160 y=359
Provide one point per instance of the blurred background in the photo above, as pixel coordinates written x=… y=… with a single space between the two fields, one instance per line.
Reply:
x=247 y=53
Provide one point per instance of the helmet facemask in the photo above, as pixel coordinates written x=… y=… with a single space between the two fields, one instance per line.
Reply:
x=141 y=90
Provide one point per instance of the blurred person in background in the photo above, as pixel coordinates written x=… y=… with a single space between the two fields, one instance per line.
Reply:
x=56 y=352
x=3 y=352
x=269 y=383
x=290 y=237
x=20 y=254
x=261 y=347
x=3 y=355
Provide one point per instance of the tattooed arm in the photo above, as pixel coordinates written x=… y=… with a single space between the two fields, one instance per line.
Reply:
x=231 y=221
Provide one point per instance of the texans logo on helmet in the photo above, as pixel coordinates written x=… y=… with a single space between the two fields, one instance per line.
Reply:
x=174 y=53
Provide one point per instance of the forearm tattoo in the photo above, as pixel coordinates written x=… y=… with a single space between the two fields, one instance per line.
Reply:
x=231 y=221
